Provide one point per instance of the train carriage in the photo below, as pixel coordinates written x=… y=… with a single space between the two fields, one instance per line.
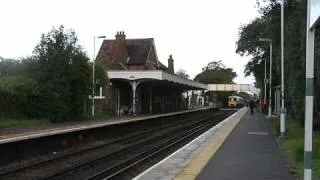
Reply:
x=236 y=101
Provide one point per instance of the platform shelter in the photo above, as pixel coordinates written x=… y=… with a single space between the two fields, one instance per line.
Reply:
x=139 y=82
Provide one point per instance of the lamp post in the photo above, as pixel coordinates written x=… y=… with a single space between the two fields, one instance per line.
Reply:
x=270 y=74
x=93 y=72
x=282 y=114
x=265 y=81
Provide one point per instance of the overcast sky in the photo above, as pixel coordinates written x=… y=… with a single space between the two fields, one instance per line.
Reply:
x=194 y=32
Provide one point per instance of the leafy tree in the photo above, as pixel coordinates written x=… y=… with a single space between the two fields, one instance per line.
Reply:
x=20 y=97
x=54 y=83
x=268 y=25
x=182 y=73
x=14 y=67
x=217 y=73
x=62 y=69
x=101 y=78
x=9 y=67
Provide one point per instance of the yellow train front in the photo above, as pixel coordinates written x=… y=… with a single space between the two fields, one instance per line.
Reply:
x=235 y=101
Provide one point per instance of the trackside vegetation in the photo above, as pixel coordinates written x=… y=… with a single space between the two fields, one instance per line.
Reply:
x=293 y=147
x=54 y=83
x=8 y=123
x=267 y=25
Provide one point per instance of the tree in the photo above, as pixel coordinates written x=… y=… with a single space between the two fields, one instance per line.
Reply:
x=101 y=78
x=268 y=25
x=182 y=73
x=217 y=73
x=62 y=69
x=10 y=67
x=215 y=65
x=20 y=97
x=54 y=83
x=20 y=94
x=15 y=67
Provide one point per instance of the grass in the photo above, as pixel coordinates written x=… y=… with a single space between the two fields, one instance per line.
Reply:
x=97 y=115
x=103 y=114
x=293 y=147
x=5 y=123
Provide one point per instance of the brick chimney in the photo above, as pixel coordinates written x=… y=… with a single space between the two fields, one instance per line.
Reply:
x=120 y=48
x=170 y=65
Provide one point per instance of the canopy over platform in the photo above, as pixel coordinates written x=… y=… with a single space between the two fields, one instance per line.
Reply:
x=155 y=75
x=151 y=83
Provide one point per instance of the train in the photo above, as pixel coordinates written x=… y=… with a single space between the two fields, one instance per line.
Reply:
x=236 y=101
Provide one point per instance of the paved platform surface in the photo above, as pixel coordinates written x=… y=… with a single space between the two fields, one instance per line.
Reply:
x=249 y=153
x=14 y=134
x=187 y=162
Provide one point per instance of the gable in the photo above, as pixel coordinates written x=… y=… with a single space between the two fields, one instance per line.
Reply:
x=106 y=52
x=138 y=50
x=152 y=56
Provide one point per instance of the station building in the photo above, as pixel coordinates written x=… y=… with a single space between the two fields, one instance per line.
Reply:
x=139 y=82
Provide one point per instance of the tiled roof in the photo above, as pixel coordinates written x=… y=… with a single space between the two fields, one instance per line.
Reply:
x=115 y=66
x=106 y=52
x=137 y=49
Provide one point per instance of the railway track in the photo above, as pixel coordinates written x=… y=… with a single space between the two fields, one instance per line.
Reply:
x=122 y=140
x=133 y=150
x=124 y=165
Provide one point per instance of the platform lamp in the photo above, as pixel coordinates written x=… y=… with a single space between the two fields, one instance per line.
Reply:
x=270 y=74
x=93 y=72
x=283 y=110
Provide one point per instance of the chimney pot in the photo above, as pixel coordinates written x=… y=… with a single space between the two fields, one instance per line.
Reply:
x=120 y=35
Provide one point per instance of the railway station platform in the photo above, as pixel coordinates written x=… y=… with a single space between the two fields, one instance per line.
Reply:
x=242 y=147
x=8 y=135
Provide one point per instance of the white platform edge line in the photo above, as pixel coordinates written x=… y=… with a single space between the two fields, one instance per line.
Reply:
x=180 y=149
x=258 y=133
x=50 y=132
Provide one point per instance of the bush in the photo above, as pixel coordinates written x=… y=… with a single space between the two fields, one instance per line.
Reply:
x=59 y=80
x=293 y=145
x=20 y=97
x=276 y=126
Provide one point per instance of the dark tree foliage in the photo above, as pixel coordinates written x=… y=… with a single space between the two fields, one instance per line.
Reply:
x=20 y=97
x=13 y=67
x=20 y=94
x=268 y=26
x=54 y=83
x=100 y=74
x=63 y=71
x=217 y=73
x=8 y=67
x=182 y=73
